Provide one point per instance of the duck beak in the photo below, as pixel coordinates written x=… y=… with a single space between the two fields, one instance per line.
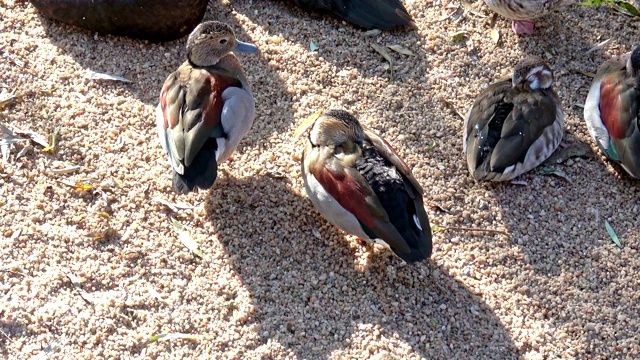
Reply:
x=307 y=123
x=245 y=47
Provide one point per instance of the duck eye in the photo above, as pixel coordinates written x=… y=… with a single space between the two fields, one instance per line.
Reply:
x=223 y=41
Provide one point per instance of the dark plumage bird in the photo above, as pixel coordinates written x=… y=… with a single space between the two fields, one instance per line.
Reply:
x=380 y=14
x=206 y=107
x=156 y=20
x=612 y=111
x=514 y=124
x=359 y=184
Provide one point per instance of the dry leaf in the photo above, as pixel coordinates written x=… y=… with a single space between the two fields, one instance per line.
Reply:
x=374 y=32
x=35 y=137
x=187 y=240
x=599 y=46
x=385 y=54
x=585 y=73
x=173 y=206
x=578 y=149
x=551 y=171
x=457 y=35
x=100 y=76
x=76 y=284
x=401 y=49
x=9 y=99
x=495 y=35
x=66 y=170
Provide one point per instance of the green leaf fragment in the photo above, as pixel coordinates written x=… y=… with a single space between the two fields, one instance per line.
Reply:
x=624 y=5
x=457 y=36
x=630 y=8
x=613 y=234
x=169 y=336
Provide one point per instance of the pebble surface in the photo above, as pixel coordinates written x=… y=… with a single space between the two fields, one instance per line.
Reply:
x=278 y=281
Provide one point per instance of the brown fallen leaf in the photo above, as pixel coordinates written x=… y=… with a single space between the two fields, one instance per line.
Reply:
x=578 y=149
x=385 y=54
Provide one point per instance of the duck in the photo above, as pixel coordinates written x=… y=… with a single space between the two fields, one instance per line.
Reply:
x=514 y=124
x=523 y=12
x=206 y=107
x=153 y=20
x=368 y=14
x=359 y=184
x=612 y=110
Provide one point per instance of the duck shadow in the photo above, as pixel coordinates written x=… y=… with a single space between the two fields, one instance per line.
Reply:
x=317 y=294
x=148 y=64
x=341 y=44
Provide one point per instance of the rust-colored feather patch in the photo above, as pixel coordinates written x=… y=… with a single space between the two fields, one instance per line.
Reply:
x=216 y=84
x=610 y=107
x=348 y=193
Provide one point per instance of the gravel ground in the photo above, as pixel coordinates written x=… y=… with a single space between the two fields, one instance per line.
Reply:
x=278 y=281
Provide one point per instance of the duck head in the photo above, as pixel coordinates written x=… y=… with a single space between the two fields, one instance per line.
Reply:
x=332 y=128
x=211 y=41
x=533 y=72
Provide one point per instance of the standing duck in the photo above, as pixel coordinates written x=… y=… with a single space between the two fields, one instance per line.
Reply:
x=380 y=14
x=522 y=12
x=360 y=185
x=206 y=107
x=612 y=111
x=514 y=124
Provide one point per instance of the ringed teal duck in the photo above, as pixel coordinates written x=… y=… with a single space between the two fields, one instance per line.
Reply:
x=612 y=111
x=514 y=124
x=206 y=107
x=358 y=183
x=522 y=12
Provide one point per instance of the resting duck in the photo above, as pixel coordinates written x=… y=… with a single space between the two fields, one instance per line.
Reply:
x=381 y=14
x=360 y=185
x=155 y=20
x=206 y=107
x=612 y=111
x=522 y=12
x=514 y=124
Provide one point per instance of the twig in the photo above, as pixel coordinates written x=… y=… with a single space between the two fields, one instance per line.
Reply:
x=450 y=105
x=461 y=228
x=5 y=335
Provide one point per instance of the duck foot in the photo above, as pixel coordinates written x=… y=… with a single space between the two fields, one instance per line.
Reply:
x=523 y=27
x=362 y=242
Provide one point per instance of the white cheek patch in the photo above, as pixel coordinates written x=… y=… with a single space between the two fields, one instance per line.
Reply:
x=313 y=135
x=533 y=73
x=540 y=78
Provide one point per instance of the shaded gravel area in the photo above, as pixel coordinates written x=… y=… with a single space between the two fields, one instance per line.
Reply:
x=278 y=281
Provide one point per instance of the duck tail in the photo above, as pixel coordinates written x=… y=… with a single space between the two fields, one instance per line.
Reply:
x=201 y=173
